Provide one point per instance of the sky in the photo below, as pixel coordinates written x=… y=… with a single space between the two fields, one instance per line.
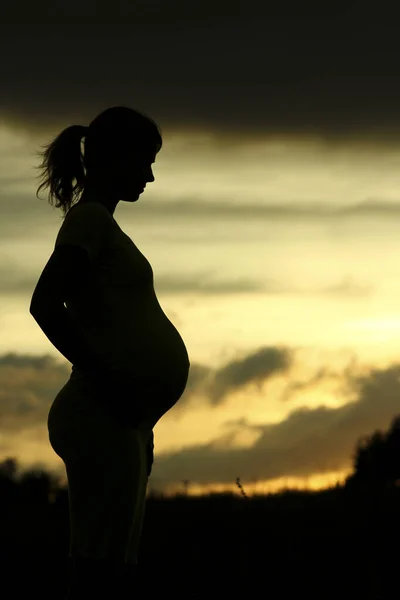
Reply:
x=272 y=225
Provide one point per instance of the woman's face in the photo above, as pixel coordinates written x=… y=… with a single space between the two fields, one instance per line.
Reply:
x=131 y=175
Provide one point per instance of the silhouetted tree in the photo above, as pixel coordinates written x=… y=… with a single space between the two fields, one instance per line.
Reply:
x=8 y=468
x=36 y=486
x=377 y=459
x=9 y=488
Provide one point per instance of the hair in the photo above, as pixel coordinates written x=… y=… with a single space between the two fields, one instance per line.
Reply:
x=110 y=136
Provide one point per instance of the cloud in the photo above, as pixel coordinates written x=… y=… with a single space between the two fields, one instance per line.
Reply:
x=28 y=384
x=203 y=285
x=308 y=441
x=156 y=12
x=292 y=387
x=192 y=206
x=210 y=211
x=256 y=368
x=232 y=68
x=349 y=288
x=213 y=387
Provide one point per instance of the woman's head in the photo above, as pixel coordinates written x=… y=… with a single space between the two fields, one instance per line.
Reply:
x=119 y=148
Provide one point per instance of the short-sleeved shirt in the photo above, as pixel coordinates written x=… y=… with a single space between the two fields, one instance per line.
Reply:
x=117 y=312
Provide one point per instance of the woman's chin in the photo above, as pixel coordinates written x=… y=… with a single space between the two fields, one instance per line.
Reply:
x=133 y=196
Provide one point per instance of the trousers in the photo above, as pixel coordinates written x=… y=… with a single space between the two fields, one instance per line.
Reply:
x=108 y=462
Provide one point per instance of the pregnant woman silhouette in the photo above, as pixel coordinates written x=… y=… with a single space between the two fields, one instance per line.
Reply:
x=96 y=303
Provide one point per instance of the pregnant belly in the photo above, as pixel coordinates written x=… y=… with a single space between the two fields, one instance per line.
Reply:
x=133 y=394
x=155 y=351
x=147 y=355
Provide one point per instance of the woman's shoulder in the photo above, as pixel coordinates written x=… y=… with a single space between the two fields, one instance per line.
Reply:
x=90 y=209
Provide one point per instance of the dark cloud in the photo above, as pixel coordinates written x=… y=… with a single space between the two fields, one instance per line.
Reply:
x=214 y=386
x=307 y=442
x=192 y=206
x=13 y=281
x=20 y=217
x=255 y=211
x=243 y=69
x=29 y=383
x=203 y=285
x=322 y=374
x=295 y=210
x=175 y=13
x=253 y=369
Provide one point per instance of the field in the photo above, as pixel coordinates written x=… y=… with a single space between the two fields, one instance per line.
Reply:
x=338 y=543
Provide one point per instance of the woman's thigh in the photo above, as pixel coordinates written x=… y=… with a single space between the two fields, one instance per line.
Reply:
x=105 y=494
x=107 y=466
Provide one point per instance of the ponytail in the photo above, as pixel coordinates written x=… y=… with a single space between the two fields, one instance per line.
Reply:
x=61 y=166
